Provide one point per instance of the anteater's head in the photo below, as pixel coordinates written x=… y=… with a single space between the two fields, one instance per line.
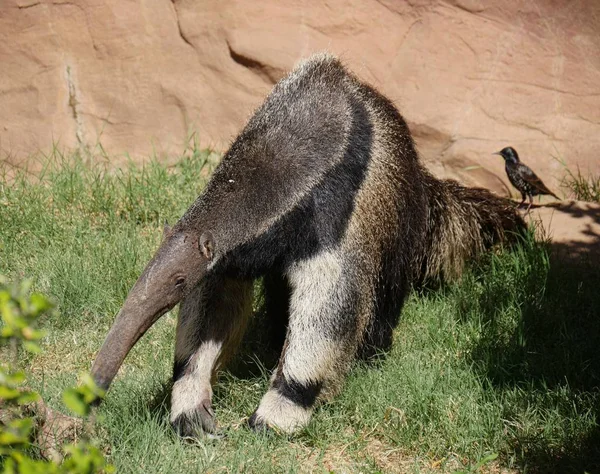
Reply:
x=176 y=268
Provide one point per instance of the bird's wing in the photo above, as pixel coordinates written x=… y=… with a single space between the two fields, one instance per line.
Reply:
x=533 y=180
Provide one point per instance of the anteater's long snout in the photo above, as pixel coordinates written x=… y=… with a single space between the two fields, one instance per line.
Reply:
x=132 y=322
x=176 y=268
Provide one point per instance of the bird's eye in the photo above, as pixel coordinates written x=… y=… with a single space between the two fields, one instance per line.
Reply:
x=179 y=282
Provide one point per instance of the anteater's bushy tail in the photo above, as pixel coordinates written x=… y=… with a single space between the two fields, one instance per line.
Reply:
x=461 y=223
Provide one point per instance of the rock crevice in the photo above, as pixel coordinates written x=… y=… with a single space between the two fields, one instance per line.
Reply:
x=73 y=104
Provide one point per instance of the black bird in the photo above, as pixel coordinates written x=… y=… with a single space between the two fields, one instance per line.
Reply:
x=522 y=177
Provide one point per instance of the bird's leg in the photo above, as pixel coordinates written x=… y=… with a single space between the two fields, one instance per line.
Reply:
x=530 y=203
x=522 y=201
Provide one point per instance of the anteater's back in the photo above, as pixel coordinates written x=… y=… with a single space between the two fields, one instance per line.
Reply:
x=322 y=147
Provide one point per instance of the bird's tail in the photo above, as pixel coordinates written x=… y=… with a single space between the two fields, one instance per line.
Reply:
x=543 y=189
x=462 y=222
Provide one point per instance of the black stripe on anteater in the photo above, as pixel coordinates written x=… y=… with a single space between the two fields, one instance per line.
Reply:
x=320 y=219
x=303 y=395
x=179 y=369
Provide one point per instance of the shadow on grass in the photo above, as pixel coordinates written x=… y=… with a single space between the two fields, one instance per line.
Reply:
x=548 y=360
x=160 y=401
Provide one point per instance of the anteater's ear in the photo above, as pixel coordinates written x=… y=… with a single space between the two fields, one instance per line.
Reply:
x=207 y=245
x=166 y=230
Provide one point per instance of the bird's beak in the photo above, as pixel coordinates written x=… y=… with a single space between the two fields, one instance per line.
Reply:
x=497 y=153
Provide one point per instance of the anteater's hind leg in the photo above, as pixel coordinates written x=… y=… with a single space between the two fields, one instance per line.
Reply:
x=212 y=321
x=319 y=346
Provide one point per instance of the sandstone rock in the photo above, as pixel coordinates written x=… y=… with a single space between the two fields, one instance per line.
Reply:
x=140 y=77
x=574 y=230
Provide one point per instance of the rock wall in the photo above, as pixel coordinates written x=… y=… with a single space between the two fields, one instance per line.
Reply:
x=147 y=77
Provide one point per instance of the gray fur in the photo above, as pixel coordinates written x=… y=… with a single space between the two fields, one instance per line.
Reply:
x=322 y=190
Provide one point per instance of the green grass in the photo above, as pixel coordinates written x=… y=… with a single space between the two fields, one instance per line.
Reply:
x=582 y=188
x=579 y=186
x=507 y=361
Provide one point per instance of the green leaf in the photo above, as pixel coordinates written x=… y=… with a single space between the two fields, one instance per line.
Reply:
x=16 y=432
x=75 y=402
x=32 y=334
x=8 y=314
x=10 y=467
x=19 y=312
x=92 y=390
x=27 y=465
x=8 y=438
x=12 y=379
x=32 y=347
x=83 y=457
x=7 y=393
x=28 y=397
x=24 y=425
x=40 y=303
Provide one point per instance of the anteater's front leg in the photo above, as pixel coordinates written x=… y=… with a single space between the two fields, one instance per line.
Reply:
x=212 y=321
x=321 y=342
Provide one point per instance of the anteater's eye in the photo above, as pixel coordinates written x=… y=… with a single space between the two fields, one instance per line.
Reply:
x=179 y=282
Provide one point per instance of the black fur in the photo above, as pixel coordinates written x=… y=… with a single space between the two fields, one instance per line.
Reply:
x=179 y=369
x=315 y=223
x=277 y=293
x=256 y=423
x=303 y=395
x=194 y=424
